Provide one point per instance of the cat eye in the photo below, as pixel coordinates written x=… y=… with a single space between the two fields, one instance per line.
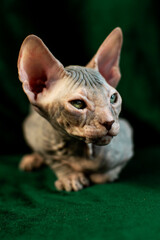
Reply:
x=79 y=104
x=113 y=98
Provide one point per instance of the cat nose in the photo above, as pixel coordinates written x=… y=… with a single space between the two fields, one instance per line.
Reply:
x=108 y=124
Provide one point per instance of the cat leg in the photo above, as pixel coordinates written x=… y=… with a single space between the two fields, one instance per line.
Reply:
x=110 y=176
x=68 y=178
x=31 y=161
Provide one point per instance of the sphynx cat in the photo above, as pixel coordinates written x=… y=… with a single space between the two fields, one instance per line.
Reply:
x=74 y=124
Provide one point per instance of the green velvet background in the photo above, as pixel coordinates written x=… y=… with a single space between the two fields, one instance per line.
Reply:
x=30 y=206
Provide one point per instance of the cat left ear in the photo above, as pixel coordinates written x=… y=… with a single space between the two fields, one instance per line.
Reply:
x=38 y=69
x=106 y=60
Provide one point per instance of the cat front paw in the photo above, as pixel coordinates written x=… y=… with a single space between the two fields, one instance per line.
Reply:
x=30 y=162
x=72 y=182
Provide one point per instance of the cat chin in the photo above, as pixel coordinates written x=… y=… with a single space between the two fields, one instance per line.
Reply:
x=99 y=141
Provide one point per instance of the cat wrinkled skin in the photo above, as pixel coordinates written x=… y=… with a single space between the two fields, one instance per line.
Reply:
x=74 y=124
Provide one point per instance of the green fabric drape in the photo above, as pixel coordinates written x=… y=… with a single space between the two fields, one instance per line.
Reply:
x=31 y=208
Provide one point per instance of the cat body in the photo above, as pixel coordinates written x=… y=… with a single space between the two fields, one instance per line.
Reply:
x=74 y=124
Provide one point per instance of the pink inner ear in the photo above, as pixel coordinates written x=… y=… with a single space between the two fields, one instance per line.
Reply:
x=37 y=67
x=37 y=75
x=37 y=85
x=110 y=71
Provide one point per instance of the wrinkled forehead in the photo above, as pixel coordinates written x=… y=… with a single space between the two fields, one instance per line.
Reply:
x=80 y=82
x=84 y=77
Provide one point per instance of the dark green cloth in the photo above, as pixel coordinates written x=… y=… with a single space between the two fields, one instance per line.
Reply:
x=129 y=209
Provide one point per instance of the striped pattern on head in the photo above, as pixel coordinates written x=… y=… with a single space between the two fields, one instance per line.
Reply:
x=82 y=76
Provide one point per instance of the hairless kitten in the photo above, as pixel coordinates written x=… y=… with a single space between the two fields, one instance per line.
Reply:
x=73 y=125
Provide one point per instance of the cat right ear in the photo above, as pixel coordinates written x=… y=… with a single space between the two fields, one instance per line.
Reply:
x=37 y=68
x=106 y=60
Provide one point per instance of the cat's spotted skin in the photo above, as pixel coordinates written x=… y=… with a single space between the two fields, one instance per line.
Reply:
x=80 y=145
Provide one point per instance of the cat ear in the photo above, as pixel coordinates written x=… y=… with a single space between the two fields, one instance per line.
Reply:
x=106 y=60
x=37 y=68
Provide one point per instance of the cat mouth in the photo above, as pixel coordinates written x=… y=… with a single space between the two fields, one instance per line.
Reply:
x=99 y=138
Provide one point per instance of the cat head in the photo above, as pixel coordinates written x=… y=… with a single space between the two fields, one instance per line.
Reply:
x=80 y=102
